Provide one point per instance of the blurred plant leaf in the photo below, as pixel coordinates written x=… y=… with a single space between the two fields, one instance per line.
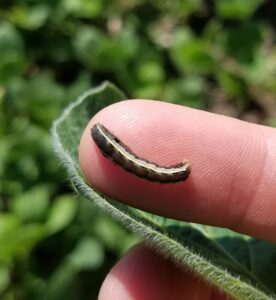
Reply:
x=82 y=83
x=231 y=84
x=191 y=54
x=29 y=17
x=33 y=95
x=221 y=257
x=189 y=91
x=150 y=72
x=8 y=222
x=88 y=254
x=89 y=43
x=109 y=233
x=16 y=239
x=242 y=42
x=236 y=9
x=259 y=71
x=4 y=278
x=12 y=50
x=99 y=51
x=83 y=8
x=271 y=122
x=185 y=7
x=60 y=282
x=32 y=205
x=4 y=153
x=149 y=91
x=61 y=214
x=95 y=223
x=29 y=159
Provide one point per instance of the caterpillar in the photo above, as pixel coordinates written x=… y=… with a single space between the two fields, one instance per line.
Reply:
x=121 y=155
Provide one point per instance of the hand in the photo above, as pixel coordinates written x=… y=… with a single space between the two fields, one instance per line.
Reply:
x=232 y=184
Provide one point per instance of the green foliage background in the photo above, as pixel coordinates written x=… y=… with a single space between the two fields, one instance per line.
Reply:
x=217 y=55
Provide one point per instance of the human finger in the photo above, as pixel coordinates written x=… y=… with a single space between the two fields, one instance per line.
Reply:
x=232 y=182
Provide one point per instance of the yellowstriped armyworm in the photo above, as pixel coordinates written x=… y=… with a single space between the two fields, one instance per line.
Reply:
x=121 y=155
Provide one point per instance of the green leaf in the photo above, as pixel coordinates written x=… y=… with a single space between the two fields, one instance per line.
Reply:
x=16 y=239
x=61 y=213
x=34 y=94
x=271 y=122
x=236 y=9
x=239 y=265
x=98 y=51
x=12 y=50
x=185 y=8
x=242 y=43
x=109 y=233
x=4 y=278
x=189 y=91
x=150 y=72
x=32 y=205
x=230 y=84
x=191 y=54
x=59 y=283
x=88 y=254
x=31 y=18
x=83 y=8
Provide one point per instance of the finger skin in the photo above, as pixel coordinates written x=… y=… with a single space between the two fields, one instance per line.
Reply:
x=143 y=275
x=232 y=182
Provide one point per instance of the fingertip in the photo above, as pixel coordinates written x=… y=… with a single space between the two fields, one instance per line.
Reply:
x=148 y=137
x=228 y=185
x=144 y=275
x=113 y=289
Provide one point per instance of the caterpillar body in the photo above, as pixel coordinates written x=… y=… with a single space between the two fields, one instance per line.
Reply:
x=120 y=154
